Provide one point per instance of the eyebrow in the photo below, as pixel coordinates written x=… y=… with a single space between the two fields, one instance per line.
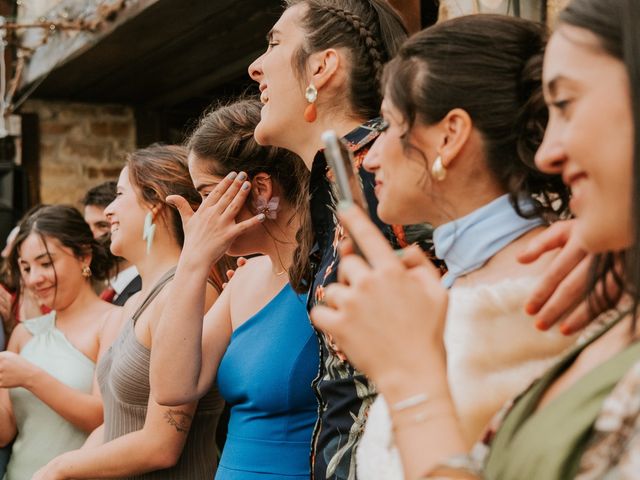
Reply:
x=39 y=257
x=552 y=85
x=271 y=33
x=202 y=186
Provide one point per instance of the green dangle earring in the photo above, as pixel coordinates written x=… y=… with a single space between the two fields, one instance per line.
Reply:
x=149 y=231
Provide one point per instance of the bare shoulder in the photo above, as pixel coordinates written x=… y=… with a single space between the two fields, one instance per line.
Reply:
x=131 y=304
x=112 y=320
x=19 y=337
x=253 y=267
x=250 y=277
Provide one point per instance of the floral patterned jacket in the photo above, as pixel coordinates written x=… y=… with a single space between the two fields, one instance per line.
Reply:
x=344 y=394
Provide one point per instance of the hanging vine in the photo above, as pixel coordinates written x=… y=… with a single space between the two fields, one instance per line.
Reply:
x=12 y=34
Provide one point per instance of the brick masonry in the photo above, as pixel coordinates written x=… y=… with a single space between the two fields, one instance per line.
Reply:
x=81 y=145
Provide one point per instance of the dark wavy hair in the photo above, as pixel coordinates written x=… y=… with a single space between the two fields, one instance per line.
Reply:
x=100 y=195
x=491 y=67
x=615 y=24
x=66 y=225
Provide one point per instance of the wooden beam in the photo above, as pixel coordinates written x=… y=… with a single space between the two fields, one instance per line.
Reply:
x=156 y=59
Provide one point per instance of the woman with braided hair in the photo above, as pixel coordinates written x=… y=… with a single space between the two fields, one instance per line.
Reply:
x=321 y=71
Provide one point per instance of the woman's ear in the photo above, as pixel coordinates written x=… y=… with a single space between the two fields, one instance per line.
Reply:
x=261 y=186
x=457 y=127
x=323 y=66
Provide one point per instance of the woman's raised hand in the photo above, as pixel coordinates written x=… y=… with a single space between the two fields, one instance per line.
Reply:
x=560 y=294
x=386 y=313
x=212 y=228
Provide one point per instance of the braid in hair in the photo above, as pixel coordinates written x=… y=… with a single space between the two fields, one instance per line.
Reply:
x=366 y=36
x=369 y=30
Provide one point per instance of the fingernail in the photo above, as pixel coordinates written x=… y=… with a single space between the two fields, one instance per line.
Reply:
x=540 y=325
x=246 y=185
x=344 y=205
x=565 y=329
x=232 y=175
x=242 y=176
x=530 y=309
x=261 y=217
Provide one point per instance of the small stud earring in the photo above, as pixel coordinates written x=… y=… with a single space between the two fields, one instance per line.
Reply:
x=437 y=169
x=148 y=231
x=86 y=271
x=311 y=113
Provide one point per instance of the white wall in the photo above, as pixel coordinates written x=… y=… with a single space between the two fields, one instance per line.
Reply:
x=528 y=8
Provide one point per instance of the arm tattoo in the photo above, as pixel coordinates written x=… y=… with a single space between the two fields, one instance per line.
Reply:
x=179 y=419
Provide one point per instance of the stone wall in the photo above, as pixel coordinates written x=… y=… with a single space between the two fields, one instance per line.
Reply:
x=81 y=145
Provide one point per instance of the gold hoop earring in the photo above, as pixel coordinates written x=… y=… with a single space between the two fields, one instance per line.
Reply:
x=86 y=271
x=438 y=172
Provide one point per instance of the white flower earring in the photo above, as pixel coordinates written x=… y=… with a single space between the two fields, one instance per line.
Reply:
x=269 y=209
x=148 y=231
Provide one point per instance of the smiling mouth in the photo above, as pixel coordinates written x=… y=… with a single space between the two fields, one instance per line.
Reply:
x=43 y=291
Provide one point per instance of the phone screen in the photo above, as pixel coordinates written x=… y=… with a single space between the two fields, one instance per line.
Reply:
x=346 y=178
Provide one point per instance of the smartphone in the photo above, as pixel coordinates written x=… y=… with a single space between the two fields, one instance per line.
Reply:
x=346 y=179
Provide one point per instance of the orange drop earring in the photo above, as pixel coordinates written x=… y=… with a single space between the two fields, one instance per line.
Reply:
x=310 y=112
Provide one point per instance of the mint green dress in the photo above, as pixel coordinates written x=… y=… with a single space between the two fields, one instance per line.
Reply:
x=42 y=433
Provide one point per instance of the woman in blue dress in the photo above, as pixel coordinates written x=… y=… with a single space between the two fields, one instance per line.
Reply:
x=257 y=338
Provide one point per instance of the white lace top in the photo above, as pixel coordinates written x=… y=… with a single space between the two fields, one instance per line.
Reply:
x=494 y=352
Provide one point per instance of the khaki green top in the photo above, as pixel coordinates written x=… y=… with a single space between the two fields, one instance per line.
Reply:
x=547 y=444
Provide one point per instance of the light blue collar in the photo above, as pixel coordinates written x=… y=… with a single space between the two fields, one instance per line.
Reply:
x=467 y=243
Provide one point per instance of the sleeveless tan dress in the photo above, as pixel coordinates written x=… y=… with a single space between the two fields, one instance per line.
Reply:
x=123 y=375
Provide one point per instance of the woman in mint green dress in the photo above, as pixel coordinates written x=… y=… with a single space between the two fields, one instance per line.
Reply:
x=49 y=401
x=581 y=418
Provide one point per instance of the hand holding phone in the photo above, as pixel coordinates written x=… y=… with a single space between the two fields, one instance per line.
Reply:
x=346 y=179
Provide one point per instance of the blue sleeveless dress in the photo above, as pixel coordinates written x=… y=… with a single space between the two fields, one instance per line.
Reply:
x=265 y=376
